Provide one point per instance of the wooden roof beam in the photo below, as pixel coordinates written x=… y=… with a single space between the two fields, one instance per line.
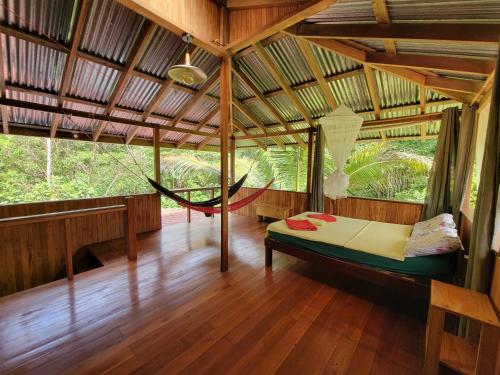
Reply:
x=200 y=126
x=306 y=50
x=248 y=4
x=138 y=49
x=242 y=129
x=445 y=32
x=309 y=8
x=241 y=107
x=200 y=146
x=261 y=98
x=271 y=67
x=372 y=88
x=382 y=17
x=194 y=100
x=67 y=74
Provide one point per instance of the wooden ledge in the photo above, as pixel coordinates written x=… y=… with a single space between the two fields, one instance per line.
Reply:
x=463 y=302
x=458 y=354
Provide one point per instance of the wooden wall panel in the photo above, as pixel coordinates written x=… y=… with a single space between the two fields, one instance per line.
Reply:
x=243 y=22
x=362 y=208
x=33 y=254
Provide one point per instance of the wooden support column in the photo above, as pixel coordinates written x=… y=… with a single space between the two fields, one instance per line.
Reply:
x=225 y=124
x=156 y=148
x=232 y=167
x=310 y=144
x=69 y=248
x=130 y=229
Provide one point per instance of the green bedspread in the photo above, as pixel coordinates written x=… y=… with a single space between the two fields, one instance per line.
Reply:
x=435 y=266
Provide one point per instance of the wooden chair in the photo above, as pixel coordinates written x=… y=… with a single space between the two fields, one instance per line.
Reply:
x=455 y=352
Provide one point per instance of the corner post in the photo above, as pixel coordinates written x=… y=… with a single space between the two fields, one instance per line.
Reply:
x=69 y=248
x=130 y=229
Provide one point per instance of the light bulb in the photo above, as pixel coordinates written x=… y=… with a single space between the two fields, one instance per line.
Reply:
x=188 y=78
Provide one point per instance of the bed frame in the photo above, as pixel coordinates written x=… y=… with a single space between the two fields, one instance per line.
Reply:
x=418 y=287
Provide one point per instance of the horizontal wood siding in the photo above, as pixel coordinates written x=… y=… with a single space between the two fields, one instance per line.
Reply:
x=362 y=208
x=34 y=254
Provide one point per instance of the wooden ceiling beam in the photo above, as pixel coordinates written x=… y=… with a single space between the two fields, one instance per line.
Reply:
x=249 y=115
x=309 y=9
x=271 y=68
x=200 y=126
x=457 y=89
x=95 y=116
x=200 y=146
x=372 y=89
x=67 y=73
x=193 y=102
x=382 y=17
x=249 y=4
x=261 y=98
x=284 y=133
x=138 y=49
x=306 y=50
x=423 y=99
x=242 y=129
x=444 y=32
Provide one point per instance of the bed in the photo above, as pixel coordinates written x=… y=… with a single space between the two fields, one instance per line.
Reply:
x=369 y=250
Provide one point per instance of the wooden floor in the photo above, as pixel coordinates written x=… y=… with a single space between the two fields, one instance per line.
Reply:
x=173 y=312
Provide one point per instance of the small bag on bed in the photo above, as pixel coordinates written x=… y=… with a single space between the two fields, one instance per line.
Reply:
x=441 y=241
x=438 y=222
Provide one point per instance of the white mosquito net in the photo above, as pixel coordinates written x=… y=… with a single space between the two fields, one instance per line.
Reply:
x=341 y=128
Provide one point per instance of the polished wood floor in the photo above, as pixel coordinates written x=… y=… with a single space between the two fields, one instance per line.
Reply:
x=173 y=312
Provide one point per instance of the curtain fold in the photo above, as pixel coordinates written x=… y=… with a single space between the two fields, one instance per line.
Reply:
x=464 y=157
x=479 y=266
x=317 y=195
x=438 y=197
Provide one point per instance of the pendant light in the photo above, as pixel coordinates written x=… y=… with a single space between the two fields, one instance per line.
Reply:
x=187 y=73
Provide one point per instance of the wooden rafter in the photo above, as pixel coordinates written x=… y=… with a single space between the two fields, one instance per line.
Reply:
x=256 y=136
x=136 y=53
x=193 y=102
x=271 y=67
x=310 y=8
x=447 y=86
x=200 y=146
x=200 y=126
x=246 y=4
x=165 y=87
x=486 y=86
x=382 y=17
x=317 y=73
x=249 y=115
x=242 y=129
x=261 y=98
x=445 y=32
x=372 y=89
x=423 y=99
x=67 y=74
x=3 y=109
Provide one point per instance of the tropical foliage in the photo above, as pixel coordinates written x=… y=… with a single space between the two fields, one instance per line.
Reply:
x=36 y=169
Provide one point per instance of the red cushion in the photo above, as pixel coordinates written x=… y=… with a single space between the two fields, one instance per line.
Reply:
x=300 y=225
x=324 y=217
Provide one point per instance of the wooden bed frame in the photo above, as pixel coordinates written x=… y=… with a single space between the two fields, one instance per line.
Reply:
x=418 y=287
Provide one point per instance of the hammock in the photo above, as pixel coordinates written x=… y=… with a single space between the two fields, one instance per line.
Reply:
x=210 y=210
x=209 y=203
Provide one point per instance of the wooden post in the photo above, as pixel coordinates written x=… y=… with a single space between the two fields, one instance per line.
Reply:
x=310 y=144
x=188 y=197
x=225 y=117
x=212 y=196
x=232 y=167
x=130 y=228
x=69 y=248
x=435 y=322
x=156 y=146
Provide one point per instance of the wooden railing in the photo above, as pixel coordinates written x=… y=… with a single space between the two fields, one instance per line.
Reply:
x=188 y=192
x=128 y=209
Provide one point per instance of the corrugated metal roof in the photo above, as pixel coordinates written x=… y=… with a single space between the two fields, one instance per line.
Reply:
x=31 y=65
x=257 y=73
x=138 y=93
x=80 y=123
x=28 y=116
x=283 y=104
x=448 y=49
x=48 y=18
x=201 y=110
x=93 y=81
x=111 y=30
x=164 y=50
x=355 y=11
x=394 y=91
x=173 y=102
x=467 y=11
x=353 y=92
x=332 y=63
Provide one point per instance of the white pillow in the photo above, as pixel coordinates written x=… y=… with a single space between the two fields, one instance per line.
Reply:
x=444 y=240
x=438 y=222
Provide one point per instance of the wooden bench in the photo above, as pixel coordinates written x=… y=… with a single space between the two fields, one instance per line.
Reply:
x=268 y=211
x=455 y=352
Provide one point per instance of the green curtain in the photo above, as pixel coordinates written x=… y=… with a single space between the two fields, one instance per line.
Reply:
x=317 y=195
x=438 y=198
x=479 y=266
x=464 y=157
